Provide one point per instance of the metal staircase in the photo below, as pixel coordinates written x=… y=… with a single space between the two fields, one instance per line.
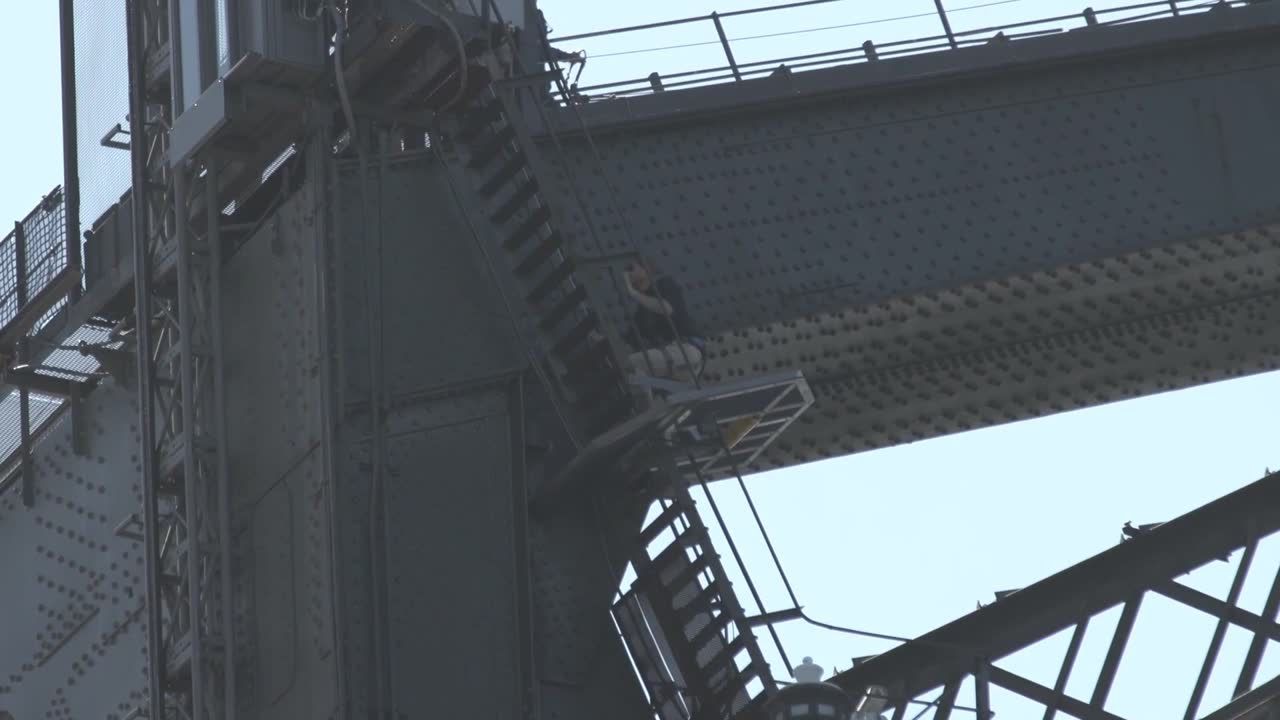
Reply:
x=686 y=632
x=494 y=156
x=682 y=622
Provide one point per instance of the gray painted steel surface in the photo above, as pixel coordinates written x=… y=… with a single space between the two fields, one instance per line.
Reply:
x=960 y=239
x=472 y=633
x=73 y=644
x=284 y=574
x=936 y=251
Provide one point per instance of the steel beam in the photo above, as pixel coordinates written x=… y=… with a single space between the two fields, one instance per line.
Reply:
x=191 y=653
x=1068 y=662
x=148 y=460
x=70 y=140
x=1119 y=641
x=1041 y=694
x=1262 y=703
x=1220 y=632
x=1059 y=601
x=1207 y=604
x=1249 y=671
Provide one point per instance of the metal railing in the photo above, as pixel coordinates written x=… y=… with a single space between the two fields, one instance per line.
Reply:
x=33 y=260
x=730 y=68
x=38 y=269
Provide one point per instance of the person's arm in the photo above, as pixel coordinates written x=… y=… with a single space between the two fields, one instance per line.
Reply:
x=651 y=303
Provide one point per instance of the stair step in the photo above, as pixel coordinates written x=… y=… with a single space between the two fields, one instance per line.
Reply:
x=514 y=164
x=660 y=523
x=492 y=147
x=702 y=602
x=527 y=228
x=477 y=120
x=571 y=301
x=576 y=335
x=518 y=199
x=696 y=567
x=724 y=698
x=711 y=631
x=725 y=658
x=595 y=359
x=549 y=282
x=539 y=254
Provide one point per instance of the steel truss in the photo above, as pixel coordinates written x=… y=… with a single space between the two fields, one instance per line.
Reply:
x=1147 y=562
x=191 y=658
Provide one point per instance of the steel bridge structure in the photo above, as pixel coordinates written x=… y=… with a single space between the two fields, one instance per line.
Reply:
x=315 y=404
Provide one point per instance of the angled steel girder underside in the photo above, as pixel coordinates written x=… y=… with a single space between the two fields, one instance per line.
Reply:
x=950 y=241
x=1149 y=562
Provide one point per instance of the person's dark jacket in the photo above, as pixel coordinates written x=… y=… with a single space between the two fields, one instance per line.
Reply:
x=649 y=329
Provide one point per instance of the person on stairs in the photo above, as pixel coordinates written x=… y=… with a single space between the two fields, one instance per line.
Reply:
x=662 y=334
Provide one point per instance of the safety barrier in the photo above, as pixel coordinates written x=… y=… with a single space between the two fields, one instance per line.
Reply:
x=710 y=41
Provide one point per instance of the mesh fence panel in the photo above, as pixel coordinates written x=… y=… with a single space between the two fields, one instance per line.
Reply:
x=44 y=232
x=102 y=102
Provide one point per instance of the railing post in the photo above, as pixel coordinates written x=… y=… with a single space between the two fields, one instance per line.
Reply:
x=1173 y=5
x=724 y=42
x=946 y=24
x=24 y=422
x=20 y=265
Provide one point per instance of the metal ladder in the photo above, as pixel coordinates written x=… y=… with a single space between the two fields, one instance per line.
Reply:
x=496 y=159
x=686 y=631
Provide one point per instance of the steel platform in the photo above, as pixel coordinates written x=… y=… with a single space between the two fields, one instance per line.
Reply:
x=707 y=432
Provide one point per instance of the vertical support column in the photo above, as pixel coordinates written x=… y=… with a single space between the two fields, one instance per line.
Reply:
x=70 y=143
x=188 y=447
x=946 y=24
x=1220 y=632
x=1249 y=671
x=136 y=22
x=724 y=42
x=222 y=481
x=527 y=677
x=1064 y=674
x=947 y=700
x=20 y=264
x=1111 y=664
x=24 y=414
x=982 y=689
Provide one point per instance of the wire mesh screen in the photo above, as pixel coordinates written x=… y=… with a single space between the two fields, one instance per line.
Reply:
x=46 y=243
x=102 y=103
x=43 y=234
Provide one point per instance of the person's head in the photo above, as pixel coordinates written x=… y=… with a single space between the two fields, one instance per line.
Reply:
x=640 y=273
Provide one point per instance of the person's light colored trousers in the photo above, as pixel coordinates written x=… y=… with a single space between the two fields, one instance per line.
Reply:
x=677 y=361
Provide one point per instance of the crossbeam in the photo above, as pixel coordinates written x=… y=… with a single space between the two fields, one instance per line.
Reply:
x=1147 y=562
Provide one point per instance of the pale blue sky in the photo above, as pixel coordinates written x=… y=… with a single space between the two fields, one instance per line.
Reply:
x=904 y=539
